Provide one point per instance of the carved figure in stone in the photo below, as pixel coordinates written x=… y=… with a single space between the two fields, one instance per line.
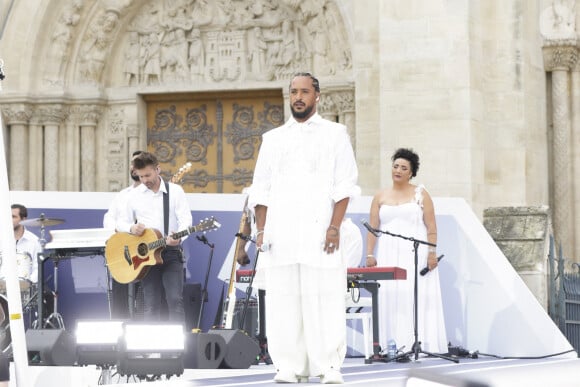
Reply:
x=132 y=59
x=96 y=46
x=61 y=39
x=174 y=45
x=320 y=46
x=257 y=53
x=559 y=20
x=196 y=56
x=149 y=60
x=147 y=21
x=265 y=13
x=201 y=13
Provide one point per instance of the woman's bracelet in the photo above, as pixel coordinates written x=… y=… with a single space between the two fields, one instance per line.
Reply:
x=432 y=250
x=370 y=256
x=259 y=232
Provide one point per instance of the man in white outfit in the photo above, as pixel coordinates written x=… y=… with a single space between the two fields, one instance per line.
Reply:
x=120 y=307
x=304 y=177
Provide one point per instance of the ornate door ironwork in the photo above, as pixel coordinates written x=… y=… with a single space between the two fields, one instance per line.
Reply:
x=219 y=133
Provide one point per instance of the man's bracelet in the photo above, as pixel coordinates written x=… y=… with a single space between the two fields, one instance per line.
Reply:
x=332 y=226
x=259 y=232
x=432 y=250
x=370 y=256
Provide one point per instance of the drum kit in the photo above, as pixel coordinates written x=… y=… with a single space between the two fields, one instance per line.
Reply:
x=28 y=289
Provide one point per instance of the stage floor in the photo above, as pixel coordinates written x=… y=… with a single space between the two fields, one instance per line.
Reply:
x=486 y=371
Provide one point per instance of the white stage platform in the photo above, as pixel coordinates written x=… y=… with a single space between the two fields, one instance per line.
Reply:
x=487 y=371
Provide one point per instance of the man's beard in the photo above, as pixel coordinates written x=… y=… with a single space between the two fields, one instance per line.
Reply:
x=301 y=115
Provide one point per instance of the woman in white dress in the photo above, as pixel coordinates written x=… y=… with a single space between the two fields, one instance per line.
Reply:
x=407 y=209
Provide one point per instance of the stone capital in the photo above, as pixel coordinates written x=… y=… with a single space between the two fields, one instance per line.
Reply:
x=49 y=114
x=86 y=115
x=560 y=54
x=17 y=113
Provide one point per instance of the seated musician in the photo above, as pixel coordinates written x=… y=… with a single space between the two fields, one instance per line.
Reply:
x=27 y=246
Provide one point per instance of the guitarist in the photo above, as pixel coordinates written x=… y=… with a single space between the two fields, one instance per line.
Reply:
x=145 y=210
x=120 y=292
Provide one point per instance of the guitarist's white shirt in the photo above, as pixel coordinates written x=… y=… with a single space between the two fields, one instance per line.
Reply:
x=146 y=207
x=118 y=205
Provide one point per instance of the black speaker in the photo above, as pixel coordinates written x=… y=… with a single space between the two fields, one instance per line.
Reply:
x=51 y=347
x=204 y=350
x=191 y=305
x=241 y=349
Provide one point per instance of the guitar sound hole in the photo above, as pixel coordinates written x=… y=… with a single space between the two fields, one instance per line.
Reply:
x=142 y=249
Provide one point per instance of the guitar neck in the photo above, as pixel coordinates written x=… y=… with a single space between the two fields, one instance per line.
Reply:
x=188 y=231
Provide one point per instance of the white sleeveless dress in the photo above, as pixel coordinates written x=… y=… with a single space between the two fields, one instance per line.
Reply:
x=396 y=306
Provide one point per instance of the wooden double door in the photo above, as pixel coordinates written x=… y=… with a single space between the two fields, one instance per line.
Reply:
x=218 y=133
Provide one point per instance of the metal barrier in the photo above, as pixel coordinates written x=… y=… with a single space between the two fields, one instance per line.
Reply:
x=564 y=295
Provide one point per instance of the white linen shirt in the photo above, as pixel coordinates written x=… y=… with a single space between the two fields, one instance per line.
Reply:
x=302 y=170
x=117 y=207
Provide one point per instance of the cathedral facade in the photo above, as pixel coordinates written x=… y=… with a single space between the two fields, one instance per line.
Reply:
x=487 y=92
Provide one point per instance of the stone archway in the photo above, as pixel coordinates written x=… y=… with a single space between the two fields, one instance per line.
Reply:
x=101 y=57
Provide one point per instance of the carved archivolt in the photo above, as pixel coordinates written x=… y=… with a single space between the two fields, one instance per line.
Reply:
x=195 y=41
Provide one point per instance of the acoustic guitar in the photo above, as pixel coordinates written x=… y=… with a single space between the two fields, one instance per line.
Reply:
x=129 y=256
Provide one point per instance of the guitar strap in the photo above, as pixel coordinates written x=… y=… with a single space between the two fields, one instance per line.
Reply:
x=166 y=209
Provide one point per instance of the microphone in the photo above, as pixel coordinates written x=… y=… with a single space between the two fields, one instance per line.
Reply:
x=370 y=228
x=265 y=246
x=201 y=238
x=425 y=270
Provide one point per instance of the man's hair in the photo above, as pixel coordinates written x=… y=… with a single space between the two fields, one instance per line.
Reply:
x=315 y=82
x=22 y=211
x=145 y=159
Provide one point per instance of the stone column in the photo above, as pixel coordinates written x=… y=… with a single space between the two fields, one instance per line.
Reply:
x=559 y=57
x=575 y=105
x=17 y=119
x=90 y=116
x=35 y=148
x=52 y=117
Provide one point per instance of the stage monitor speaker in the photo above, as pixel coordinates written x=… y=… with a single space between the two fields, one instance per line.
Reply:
x=241 y=349
x=191 y=305
x=51 y=347
x=204 y=350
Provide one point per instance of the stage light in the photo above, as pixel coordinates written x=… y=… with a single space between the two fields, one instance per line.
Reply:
x=151 y=349
x=97 y=342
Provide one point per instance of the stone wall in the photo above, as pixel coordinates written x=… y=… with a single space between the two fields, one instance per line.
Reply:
x=523 y=234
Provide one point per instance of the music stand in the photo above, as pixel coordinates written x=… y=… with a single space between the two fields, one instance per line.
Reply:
x=416 y=347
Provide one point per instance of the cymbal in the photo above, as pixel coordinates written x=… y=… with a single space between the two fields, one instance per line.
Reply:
x=41 y=222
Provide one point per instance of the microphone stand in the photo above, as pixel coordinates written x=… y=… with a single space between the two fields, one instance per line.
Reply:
x=264 y=355
x=204 y=240
x=416 y=347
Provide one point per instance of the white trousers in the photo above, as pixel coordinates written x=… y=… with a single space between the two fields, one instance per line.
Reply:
x=305 y=318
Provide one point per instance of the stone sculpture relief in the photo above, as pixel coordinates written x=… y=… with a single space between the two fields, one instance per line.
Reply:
x=216 y=41
x=60 y=42
x=558 y=22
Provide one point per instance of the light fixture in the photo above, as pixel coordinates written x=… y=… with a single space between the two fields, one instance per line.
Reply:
x=97 y=342
x=151 y=349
